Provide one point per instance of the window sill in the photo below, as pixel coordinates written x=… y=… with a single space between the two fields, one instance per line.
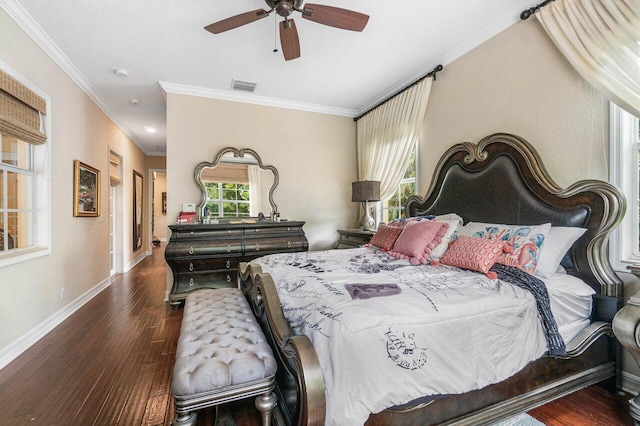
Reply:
x=23 y=255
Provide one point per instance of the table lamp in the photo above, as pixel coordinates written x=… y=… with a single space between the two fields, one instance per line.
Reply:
x=365 y=191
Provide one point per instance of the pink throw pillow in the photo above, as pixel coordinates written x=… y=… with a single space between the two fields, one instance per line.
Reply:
x=417 y=240
x=476 y=254
x=385 y=237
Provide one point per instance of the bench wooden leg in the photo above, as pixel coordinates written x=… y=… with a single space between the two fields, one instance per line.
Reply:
x=185 y=419
x=265 y=403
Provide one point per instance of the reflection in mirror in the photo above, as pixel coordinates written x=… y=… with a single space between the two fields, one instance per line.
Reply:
x=236 y=184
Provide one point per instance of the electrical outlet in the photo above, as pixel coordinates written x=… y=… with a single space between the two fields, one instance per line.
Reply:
x=62 y=293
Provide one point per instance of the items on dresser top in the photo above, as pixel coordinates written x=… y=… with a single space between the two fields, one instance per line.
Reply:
x=207 y=256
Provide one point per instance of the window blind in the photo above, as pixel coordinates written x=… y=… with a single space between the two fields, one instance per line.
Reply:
x=21 y=111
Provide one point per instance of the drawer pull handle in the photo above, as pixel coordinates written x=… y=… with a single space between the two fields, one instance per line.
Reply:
x=191 y=232
x=228 y=278
x=228 y=264
x=288 y=229
x=256 y=229
x=288 y=244
x=191 y=281
x=257 y=247
x=190 y=250
x=190 y=267
x=228 y=248
x=228 y=231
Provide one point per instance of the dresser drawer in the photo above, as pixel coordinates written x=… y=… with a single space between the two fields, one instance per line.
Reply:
x=206 y=264
x=280 y=230
x=206 y=234
x=206 y=248
x=218 y=279
x=255 y=246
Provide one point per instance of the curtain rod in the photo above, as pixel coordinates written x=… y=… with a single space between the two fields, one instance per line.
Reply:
x=526 y=13
x=432 y=73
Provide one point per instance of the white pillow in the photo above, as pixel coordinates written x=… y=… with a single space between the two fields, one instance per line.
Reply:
x=439 y=250
x=449 y=216
x=559 y=239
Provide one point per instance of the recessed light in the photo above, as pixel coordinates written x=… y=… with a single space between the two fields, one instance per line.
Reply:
x=121 y=72
x=150 y=129
x=134 y=101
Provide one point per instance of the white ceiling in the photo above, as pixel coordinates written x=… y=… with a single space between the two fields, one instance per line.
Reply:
x=340 y=72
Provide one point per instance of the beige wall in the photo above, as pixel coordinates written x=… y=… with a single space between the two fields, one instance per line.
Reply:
x=79 y=258
x=314 y=154
x=518 y=82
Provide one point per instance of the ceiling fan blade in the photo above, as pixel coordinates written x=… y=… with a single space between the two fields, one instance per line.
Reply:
x=335 y=17
x=289 y=40
x=236 y=21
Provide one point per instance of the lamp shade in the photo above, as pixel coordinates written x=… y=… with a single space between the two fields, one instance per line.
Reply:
x=365 y=190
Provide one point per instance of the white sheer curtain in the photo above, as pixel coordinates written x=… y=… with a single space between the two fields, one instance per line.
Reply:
x=601 y=39
x=386 y=136
x=255 y=189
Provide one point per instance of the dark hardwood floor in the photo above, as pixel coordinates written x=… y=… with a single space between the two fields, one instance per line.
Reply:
x=110 y=364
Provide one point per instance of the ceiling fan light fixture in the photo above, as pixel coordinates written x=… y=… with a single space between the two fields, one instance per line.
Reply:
x=243 y=86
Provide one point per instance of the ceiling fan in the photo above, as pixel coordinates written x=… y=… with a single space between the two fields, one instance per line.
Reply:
x=327 y=15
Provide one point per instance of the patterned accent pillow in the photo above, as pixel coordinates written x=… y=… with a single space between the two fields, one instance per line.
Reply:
x=417 y=240
x=385 y=237
x=526 y=241
x=476 y=254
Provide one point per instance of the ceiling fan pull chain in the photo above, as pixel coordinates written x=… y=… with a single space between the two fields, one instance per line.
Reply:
x=275 y=33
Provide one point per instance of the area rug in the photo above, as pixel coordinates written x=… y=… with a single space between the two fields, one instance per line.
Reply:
x=522 y=419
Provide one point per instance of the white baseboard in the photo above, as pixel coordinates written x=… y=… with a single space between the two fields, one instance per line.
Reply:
x=630 y=383
x=27 y=340
x=137 y=260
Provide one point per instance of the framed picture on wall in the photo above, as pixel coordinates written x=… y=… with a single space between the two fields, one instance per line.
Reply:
x=86 y=190
x=138 y=185
x=164 y=203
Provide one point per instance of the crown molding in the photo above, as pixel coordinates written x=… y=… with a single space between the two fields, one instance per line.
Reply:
x=181 y=89
x=33 y=30
x=494 y=28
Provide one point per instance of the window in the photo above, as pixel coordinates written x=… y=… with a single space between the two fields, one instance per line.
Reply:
x=394 y=207
x=232 y=199
x=625 y=174
x=16 y=195
x=24 y=181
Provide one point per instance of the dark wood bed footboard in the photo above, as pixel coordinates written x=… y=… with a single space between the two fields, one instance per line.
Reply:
x=299 y=382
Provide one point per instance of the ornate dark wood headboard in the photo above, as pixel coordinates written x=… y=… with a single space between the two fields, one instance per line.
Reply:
x=501 y=179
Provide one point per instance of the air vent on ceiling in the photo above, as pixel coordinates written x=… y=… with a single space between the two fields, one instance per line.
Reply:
x=243 y=86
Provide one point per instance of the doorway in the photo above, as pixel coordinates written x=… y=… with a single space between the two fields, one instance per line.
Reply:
x=158 y=208
x=116 y=213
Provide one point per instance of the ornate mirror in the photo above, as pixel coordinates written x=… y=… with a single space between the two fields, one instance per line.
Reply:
x=236 y=184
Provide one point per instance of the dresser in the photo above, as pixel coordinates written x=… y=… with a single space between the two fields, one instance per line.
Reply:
x=207 y=256
x=353 y=238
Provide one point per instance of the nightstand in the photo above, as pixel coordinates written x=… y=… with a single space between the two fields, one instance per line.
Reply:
x=353 y=238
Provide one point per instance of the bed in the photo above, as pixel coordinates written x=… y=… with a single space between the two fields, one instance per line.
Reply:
x=499 y=180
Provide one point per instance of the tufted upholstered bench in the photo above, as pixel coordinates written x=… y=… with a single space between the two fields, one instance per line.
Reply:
x=222 y=356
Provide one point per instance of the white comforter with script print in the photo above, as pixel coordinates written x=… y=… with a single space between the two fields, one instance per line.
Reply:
x=448 y=331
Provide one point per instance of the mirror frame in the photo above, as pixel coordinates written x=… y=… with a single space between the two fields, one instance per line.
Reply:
x=238 y=153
